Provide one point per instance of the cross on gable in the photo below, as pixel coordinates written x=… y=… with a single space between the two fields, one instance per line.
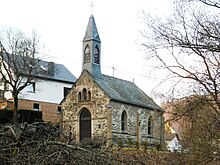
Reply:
x=91 y=6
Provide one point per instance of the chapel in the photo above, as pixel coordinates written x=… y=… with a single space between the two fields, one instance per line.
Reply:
x=101 y=106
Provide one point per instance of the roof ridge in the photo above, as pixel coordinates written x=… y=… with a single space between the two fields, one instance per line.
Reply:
x=119 y=79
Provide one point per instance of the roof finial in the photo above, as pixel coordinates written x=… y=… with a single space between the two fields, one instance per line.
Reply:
x=113 y=68
x=91 y=6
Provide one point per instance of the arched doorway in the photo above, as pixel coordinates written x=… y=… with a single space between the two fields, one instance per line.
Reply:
x=85 y=124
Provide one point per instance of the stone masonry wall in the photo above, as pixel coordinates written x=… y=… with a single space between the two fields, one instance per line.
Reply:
x=106 y=115
x=97 y=106
x=135 y=132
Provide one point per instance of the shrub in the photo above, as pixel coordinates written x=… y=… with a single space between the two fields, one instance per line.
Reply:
x=5 y=116
x=29 y=116
x=130 y=142
x=144 y=144
x=137 y=144
x=92 y=142
x=158 y=147
x=120 y=143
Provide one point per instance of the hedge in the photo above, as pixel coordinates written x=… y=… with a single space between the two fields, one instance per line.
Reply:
x=28 y=116
x=6 y=116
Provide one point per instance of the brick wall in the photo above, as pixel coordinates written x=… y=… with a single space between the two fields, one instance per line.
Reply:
x=49 y=110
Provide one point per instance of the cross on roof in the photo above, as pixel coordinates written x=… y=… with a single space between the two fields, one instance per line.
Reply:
x=91 y=5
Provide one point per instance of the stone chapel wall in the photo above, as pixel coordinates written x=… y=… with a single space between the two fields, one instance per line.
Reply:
x=137 y=124
x=97 y=106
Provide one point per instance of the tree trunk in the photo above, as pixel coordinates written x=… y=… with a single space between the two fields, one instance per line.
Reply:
x=15 y=110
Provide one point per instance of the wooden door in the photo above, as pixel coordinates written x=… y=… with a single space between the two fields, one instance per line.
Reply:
x=85 y=124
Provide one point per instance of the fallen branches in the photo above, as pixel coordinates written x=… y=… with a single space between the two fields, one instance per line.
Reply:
x=41 y=143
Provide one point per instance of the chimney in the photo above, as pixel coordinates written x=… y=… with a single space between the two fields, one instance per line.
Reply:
x=51 y=68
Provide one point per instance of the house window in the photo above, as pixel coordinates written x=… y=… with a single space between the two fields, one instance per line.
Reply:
x=89 y=95
x=59 y=110
x=96 y=55
x=31 y=87
x=36 y=107
x=87 y=54
x=79 y=96
x=150 y=126
x=84 y=94
x=66 y=91
x=124 y=121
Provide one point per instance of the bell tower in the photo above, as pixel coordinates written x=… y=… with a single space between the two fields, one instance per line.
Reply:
x=92 y=49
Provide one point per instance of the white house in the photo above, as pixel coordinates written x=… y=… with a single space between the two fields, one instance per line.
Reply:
x=45 y=92
x=174 y=144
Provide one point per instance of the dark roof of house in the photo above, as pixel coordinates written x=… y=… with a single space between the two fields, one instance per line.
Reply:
x=61 y=73
x=43 y=69
x=125 y=91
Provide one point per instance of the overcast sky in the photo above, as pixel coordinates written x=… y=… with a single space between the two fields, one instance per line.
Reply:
x=62 y=24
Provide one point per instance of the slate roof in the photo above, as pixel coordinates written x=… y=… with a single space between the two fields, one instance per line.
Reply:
x=61 y=73
x=125 y=91
x=91 y=30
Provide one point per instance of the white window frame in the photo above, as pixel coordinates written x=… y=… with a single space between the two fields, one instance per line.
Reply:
x=31 y=87
x=35 y=109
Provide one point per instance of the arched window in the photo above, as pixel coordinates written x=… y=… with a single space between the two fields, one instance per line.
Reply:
x=150 y=126
x=87 y=55
x=89 y=95
x=79 y=96
x=96 y=55
x=84 y=94
x=124 y=121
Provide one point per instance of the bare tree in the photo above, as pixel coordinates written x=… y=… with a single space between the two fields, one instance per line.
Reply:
x=186 y=44
x=213 y=3
x=196 y=121
x=19 y=62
